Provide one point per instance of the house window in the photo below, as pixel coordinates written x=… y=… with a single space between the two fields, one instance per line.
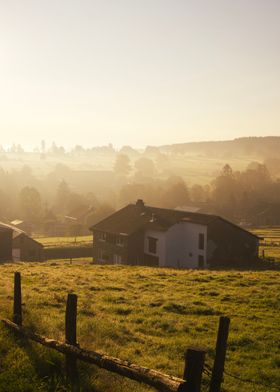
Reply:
x=200 y=261
x=201 y=241
x=120 y=241
x=102 y=237
x=152 y=245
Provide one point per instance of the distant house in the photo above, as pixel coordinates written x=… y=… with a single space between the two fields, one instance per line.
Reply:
x=23 y=247
x=77 y=221
x=143 y=235
x=269 y=215
x=26 y=248
x=24 y=226
x=6 y=240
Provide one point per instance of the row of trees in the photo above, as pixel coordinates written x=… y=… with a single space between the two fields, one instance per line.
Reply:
x=242 y=195
x=237 y=195
x=142 y=166
x=264 y=147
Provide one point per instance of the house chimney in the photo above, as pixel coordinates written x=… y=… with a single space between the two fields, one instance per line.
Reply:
x=140 y=204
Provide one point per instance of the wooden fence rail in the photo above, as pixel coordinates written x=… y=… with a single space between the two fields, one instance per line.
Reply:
x=194 y=357
x=156 y=379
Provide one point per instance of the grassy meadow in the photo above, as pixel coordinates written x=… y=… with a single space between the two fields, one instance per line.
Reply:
x=270 y=243
x=145 y=315
x=53 y=242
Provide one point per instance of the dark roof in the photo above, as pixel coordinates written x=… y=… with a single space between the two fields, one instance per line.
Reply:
x=239 y=228
x=134 y=217
x=4 y=227
x=18 y=234
x=16 y=231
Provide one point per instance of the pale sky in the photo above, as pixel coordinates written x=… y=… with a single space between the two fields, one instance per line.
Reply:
x=138 y=72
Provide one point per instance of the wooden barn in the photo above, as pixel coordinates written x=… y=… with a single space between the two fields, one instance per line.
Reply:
x=6 y=240
x=22 y=246
x=26 y=248
x=143 y=235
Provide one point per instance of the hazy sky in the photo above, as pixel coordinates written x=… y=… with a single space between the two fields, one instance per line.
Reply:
x=138 y=72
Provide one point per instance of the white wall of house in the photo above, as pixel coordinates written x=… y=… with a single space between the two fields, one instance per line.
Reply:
x=16 y=254
x=161 y=245
x=178 y=247
x=175 y=246
x=182 y=249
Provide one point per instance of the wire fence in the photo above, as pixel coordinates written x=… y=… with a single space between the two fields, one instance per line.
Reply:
x=269 y=387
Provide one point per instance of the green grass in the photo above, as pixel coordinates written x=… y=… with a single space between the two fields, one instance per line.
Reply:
x=145 y=315
x=270 y=243
x=268 y=233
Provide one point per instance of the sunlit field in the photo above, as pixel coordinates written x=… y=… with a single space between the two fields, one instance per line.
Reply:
x=193 y=168
x=270 y=243
x=146 y=315
x=50 y=242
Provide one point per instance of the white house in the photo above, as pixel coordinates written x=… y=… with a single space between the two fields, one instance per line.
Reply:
x=182 y=245
x=143 y=235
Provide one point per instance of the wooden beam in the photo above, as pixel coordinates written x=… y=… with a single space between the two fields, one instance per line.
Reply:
x=160 y=381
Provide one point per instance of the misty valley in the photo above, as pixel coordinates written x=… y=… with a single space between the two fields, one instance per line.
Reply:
x=108 y=311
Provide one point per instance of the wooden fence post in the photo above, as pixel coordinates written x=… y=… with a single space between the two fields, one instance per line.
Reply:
x=17 y=311
x=194 y=363
x=220 y=357
x=71 y=336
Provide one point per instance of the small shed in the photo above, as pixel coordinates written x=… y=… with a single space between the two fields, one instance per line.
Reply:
x=26 y=248
x=6 y=240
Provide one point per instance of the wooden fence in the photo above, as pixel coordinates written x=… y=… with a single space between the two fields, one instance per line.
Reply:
x=194 y=357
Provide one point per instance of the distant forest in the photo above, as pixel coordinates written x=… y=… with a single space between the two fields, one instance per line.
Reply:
x=58 y=192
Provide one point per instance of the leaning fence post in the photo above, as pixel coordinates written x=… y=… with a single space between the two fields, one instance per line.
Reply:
x=220 y=357
x=194 y=363
x=71 y=336
x=17 y=311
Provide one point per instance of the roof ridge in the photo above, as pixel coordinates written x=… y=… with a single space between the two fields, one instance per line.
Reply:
x=182 y=211
x=11 y=227
x=108 y=217
x=133 y=217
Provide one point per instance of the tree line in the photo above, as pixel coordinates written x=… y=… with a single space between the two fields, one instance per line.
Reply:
x=72 y=200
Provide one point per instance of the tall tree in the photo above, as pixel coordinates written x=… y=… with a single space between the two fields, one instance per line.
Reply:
x=225 y=191
x=177 y=195
x=62 y=196
x=145 y=166
x=30 y=204
x=122 y=165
